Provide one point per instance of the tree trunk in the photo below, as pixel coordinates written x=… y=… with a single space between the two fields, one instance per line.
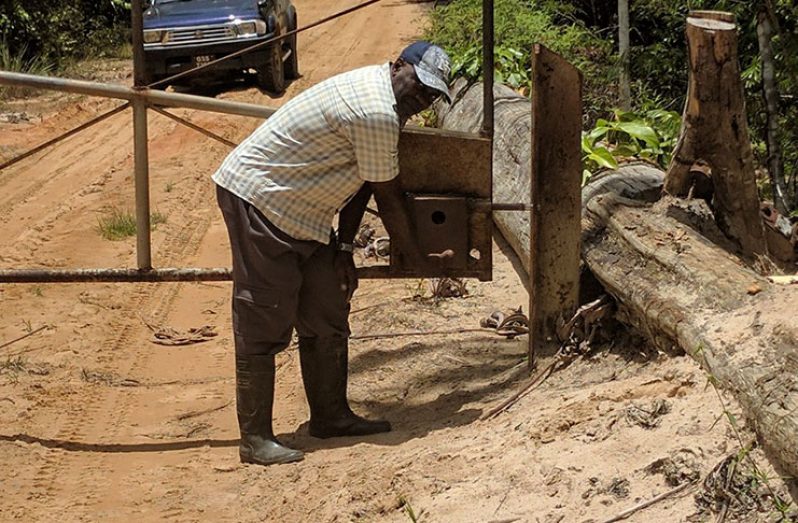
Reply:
x=770 y=93
x=715 y=132
x=671 y=282
x=624 y=90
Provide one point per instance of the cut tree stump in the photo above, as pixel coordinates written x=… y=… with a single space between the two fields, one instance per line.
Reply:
x=668 y=267
x=713 y=157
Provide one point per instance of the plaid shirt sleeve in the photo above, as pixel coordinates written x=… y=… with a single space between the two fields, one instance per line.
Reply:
x=375 y=139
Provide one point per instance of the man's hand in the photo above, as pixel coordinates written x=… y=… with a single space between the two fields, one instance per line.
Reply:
x=347 y=275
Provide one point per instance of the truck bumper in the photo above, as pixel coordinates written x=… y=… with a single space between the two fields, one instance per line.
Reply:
x=160 y=62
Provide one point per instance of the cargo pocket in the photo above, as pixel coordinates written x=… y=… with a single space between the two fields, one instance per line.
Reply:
x=263 y=315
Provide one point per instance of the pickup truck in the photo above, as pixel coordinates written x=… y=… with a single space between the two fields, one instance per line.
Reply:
x=182 y=34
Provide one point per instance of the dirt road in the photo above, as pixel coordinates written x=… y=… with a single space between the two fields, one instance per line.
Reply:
x=97 y=423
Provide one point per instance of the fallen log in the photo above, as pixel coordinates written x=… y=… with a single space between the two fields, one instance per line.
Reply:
x=675 y=285
x=668 y=267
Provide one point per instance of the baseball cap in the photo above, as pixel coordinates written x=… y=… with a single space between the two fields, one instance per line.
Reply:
x=431 y=64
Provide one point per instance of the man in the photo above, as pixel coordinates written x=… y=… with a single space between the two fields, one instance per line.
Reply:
x=324 y=152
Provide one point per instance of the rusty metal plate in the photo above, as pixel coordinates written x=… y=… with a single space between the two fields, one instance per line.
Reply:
x=441 y=224
x=458 y=166
x=438 y=161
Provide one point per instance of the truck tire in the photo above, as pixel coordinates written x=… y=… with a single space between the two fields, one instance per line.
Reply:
x=292 y=64
x=271 y=75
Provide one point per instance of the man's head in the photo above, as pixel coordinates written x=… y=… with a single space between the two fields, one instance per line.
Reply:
x=419 y=76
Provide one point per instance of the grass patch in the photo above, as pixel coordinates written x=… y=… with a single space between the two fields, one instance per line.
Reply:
x=12 y=364
x=12 y=367
x=18 y=63
x=121 y=223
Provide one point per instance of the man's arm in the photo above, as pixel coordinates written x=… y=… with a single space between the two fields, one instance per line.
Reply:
x=396 y=218
x=352 y=214
x=348 y=222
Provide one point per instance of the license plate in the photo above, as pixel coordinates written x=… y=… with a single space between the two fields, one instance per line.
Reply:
x=202 y=59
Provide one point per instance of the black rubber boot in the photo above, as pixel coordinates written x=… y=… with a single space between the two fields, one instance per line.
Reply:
x=325 y=369
x=254 y=401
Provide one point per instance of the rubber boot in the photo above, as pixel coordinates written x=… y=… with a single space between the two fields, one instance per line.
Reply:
x=254 y=401
x=325 y=369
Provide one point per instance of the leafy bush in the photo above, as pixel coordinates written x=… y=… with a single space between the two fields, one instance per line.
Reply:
x=508 y=62
x=649 y=136
x=63 y=31
x=519 y=24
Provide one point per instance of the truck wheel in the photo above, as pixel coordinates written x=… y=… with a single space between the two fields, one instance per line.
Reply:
x=292 y=64
x=271 y=76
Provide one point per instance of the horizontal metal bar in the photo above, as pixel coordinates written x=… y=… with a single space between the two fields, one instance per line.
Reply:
x=152 y=96
x=511 y=206
x=179 y=274
x=384 y=272
x=112 y=275
x=485 y=205
x=144 y=276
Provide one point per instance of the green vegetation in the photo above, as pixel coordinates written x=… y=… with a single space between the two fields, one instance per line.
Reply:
x=585 y=33
x=404 y=504
x=13 y=367
x=21 y=61
x=649 y=136
x=119 y=224
x=519 y=24
x=42 y=36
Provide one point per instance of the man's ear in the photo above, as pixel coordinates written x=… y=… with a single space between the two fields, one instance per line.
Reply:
x=397 y=64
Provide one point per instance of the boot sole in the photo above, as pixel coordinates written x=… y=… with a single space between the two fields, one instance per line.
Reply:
x=287 y=459
x=342 y=433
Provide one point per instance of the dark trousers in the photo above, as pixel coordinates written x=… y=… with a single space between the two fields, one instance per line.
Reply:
x=279 y=283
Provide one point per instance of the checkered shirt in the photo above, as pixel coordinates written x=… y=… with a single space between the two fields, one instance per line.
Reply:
x=310 y=157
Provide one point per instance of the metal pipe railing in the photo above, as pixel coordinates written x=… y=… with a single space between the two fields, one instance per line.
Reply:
x=113 y=275
x=142 y=183
x=194 y=126
x=487 y=68
x=121 y=92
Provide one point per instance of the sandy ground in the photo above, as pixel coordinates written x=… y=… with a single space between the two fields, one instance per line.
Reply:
x=98 y=423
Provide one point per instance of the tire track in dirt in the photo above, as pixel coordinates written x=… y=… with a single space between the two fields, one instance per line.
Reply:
x=62 y=475
x=36 y=175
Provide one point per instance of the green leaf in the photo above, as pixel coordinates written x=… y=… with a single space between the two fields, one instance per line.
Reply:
x=640 y=131
x=598 y=133
x=603 y=158
x=626 y=150
x=587 y=145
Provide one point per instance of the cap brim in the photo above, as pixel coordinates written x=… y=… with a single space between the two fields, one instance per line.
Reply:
x=430 y=80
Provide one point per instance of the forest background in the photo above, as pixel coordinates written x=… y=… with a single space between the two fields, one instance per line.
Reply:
x=39 y=37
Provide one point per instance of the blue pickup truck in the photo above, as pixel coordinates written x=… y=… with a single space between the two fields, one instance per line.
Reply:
x=182 y=34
